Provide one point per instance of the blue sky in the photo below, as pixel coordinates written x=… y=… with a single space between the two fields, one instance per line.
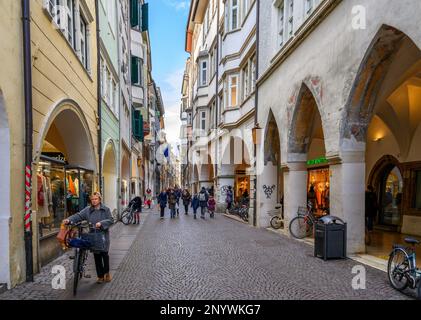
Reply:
x=167 y=25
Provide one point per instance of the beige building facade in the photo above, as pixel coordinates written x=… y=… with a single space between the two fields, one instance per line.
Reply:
x=65 y=119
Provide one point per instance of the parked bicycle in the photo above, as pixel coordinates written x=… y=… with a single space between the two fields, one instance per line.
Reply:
x=302 y=226
x=240 y=210
x=81 y=247
x=127 y=215
x=277 y=220
x=402 y=269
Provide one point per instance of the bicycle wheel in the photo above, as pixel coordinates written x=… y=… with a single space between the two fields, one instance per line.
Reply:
x=76 y=270
x=397 y=268
x=299 y=228
x=419 y=289
x=276 y=223
x=127 y=217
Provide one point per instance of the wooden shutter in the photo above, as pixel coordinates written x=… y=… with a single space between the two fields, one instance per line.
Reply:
x=135 y=70
x=134 y=13
x=145 y=17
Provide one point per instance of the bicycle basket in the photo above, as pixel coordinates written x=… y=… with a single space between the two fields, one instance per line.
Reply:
x=302 y=211
x=79 y=243
x=97 y=241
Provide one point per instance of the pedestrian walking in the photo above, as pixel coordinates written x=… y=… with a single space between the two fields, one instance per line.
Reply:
x=371 y=207
x=162 y=200
x=172 y=203
x=195 y=204
x=229 y=198
x=99 y=216
x=211 y=206
x=136 y=204
x=186 y=201
x=203 y=198
x=178 y=194
x=149 y=197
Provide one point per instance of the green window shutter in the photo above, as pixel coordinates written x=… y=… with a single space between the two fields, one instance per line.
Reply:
x=134 y=13
x=136 y=116
x=145 y=17
x=142 y=135
x=135 y=70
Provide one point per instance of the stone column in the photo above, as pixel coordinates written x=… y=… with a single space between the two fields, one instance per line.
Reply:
x=267 y=192
x=347 y=197
x=295 y=195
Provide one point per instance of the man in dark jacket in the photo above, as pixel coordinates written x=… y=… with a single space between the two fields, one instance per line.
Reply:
x=203 y=200
x=172 y=202
x=195 y=204
x=162 y=200
x=186 y=201
x=371 y=207
x=99 y=216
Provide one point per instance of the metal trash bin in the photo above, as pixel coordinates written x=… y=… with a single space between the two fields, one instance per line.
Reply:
x=330 y=238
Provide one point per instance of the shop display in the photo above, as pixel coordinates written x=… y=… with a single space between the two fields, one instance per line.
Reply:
x=50 y=197
x=318 y=191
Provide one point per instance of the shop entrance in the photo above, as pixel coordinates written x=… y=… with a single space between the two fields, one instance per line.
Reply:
x=390 y=196
x=64 y=178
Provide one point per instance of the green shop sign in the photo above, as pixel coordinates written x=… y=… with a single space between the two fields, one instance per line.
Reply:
x=320 y=160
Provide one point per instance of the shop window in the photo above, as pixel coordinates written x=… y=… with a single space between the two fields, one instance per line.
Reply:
x=318 y=191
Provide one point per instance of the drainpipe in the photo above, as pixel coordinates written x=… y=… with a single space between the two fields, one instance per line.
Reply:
x=27 y=74
x=217 y=95
x=99 y=125
x=256 y=109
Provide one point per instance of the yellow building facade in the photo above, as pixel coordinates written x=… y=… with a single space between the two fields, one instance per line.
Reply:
x=65 y=124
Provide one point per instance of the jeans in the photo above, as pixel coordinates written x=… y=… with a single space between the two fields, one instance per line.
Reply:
x=203 y=211
x=186 y=209
x=172 y=212
x=102 y=264
x=162 y=211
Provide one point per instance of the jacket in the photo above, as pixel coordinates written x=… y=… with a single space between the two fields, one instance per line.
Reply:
x=93 y=216
x=204 y=203
x=186 y=199
x=172 y=200
x=162 y=199
x=211 y=204
x=195 y=202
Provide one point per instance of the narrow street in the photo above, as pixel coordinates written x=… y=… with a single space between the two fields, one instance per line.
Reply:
x=210 y=260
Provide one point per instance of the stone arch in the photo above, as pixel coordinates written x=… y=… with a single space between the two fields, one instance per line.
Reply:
x=5 y=210
x=385 y=163
x=272 y=142
x=306 y=121
x=370 y=78
x=69 y=117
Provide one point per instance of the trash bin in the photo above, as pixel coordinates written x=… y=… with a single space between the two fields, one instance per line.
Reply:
x=330 y=238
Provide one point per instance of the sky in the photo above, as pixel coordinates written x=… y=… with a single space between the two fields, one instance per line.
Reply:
x=167 y=27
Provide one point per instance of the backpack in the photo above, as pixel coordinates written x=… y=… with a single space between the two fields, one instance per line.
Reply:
x=202 y=196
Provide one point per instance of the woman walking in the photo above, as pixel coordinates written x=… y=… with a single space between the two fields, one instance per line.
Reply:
x=162 y=200
x=99 y=216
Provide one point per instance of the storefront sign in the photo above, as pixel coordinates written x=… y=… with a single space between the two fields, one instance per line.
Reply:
x=320 y=160
x=55 y=155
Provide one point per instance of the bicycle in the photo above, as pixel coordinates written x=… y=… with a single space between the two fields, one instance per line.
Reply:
x=240 y=210
x=401 y=268
x=82 y=247
x=302 y=226
x=127 y=215
x=277 y=221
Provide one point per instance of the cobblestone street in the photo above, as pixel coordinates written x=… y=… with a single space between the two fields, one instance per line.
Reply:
x=212 y=259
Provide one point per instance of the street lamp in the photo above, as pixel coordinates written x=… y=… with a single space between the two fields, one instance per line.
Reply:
x=256 y=133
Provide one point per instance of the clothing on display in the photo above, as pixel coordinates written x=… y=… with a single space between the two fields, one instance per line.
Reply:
x=318 y=181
